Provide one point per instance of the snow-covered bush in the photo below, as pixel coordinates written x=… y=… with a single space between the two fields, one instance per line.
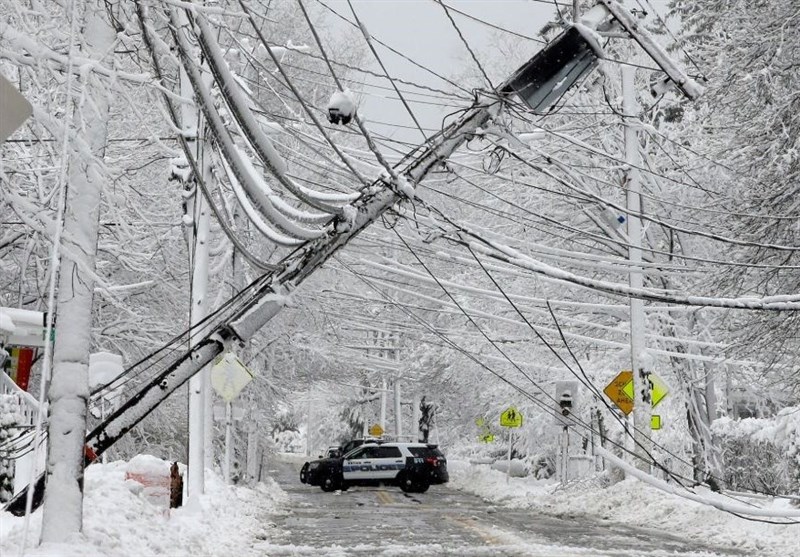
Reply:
x=288 y=441
x=761 y=453
x=10 y=419
x=286 y=434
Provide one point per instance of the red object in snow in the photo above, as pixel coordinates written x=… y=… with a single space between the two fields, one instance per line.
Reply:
x=21 y=372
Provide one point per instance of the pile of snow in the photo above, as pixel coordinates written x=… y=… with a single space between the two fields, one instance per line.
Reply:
x=119 y=521
x=6 y=323
x=633 y=503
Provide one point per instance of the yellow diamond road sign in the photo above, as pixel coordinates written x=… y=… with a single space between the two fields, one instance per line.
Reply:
x=615 y=391
x=620 y=390
x=376 y=430
x=658 y=390
x=229 y=376
x=511 y=417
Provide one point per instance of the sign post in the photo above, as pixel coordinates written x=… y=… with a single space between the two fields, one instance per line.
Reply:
x=510 y=419
x=228 y=377
x=566 y=400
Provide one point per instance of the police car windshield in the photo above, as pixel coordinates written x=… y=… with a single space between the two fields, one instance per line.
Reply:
x=356 y=450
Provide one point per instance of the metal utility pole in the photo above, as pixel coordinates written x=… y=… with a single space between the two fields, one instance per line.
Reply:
x=639 y=360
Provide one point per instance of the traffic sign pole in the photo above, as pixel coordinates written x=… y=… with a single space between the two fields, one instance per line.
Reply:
x=510 y=443
x=565 y=455
x=510 y=419
x=226 y=468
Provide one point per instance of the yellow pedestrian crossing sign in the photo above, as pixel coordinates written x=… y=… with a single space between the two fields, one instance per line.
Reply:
x=511 y=417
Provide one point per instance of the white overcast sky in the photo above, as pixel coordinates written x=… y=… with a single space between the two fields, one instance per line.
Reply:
x=420 y=29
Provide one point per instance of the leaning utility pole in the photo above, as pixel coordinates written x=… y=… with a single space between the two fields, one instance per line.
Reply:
x=639 y=359
x=268 y=293
x=542 y=80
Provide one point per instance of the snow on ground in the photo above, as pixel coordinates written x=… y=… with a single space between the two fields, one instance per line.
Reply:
x=633 y=503
x=119 y=522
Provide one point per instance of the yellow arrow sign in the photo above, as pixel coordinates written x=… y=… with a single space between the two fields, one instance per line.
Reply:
x=658 y=390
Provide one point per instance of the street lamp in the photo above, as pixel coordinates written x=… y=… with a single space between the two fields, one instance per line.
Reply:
x=544 y=79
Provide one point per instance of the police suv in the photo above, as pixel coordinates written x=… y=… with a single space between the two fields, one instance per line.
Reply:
x=409 y=465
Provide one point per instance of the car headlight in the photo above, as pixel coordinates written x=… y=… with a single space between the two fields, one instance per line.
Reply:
x=313 y=466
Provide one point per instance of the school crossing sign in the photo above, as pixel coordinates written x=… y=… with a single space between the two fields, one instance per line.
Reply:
x=511 y=417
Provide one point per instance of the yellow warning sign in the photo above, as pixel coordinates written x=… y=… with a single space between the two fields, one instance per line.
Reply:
x=658 y=390
x=511 y=417
x=655 y=421
x=615 y=390
x=376 y=430
x=620 y=390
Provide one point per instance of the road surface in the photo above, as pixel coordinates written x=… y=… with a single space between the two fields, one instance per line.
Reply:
x=384 y=521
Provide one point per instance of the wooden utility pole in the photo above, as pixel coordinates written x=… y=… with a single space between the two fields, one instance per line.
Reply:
x=639 y=359
x=198 y=212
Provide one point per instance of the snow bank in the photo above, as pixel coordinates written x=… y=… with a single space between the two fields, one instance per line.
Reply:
x=633 y=503
x=118 y=522
x=6 y=323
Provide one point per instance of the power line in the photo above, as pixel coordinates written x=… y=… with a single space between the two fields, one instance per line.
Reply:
x=466 y=44
x=368 y=39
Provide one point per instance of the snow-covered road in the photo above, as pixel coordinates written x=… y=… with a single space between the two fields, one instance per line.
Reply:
x=444 y=521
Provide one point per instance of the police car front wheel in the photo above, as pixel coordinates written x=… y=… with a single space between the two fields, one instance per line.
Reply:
x=331 y=483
